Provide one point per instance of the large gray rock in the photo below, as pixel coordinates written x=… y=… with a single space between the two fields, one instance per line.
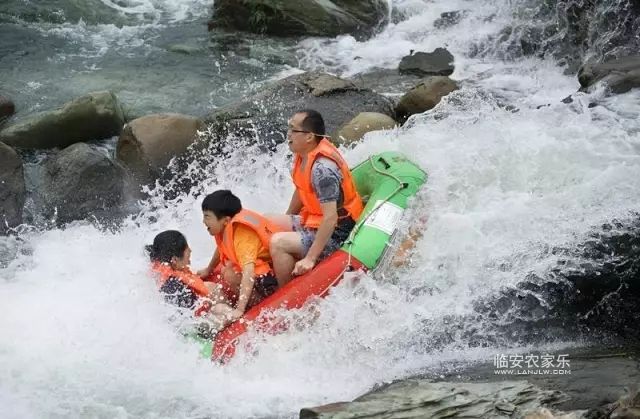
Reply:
x=591 y=390
x=82 y=181
x=264 y=116
x=95 y=116
x=424 y=96
x=418 y=398
x=12 y=188
x=147 y=144
x=388 y=82
x=360 y=18
x=436 y=63
x=620 y=75
x=365 y=122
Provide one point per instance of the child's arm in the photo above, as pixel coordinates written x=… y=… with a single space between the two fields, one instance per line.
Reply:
x=215 y=293
x=215 y=259
x=246 y=288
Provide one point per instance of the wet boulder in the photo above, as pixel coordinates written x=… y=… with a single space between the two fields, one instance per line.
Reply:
x=360 y=18
x=354 y=130
x=263 y=117
x=436 y=63
x=448 y=19
x=147 y=144
x=388 y=82
x=421 y=398
x=82 y=181
x=12 y=188
x=94 y=116
x=620 y=75
x=424 y=96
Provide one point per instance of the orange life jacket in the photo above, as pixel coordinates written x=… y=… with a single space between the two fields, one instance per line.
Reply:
x=191 y=280
x=256 y=222
x=311 y=212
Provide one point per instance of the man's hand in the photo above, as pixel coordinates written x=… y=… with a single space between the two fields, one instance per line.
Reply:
x=203 y=273
x=303 y=266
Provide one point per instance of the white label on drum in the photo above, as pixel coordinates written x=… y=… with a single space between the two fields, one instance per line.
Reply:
x=385 y=217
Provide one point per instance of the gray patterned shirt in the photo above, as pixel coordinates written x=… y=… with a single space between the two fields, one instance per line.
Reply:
x=326 y=179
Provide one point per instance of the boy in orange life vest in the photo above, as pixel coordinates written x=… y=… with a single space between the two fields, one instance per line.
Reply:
x=324 y=205
x=170 y=256
x=242 y=238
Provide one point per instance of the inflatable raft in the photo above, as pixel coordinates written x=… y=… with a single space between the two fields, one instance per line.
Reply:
x=386 y=182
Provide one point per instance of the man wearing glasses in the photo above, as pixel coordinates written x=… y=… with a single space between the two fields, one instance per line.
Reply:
x=324 y=205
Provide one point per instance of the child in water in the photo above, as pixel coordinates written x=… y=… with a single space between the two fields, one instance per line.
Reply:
x=170 y=257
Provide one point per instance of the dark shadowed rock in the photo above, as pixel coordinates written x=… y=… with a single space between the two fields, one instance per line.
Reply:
x=620 y=75
x=360 y=18
x=82 y=181
x=264 y=116
x=95 y=116
x=448 y=19
x=12 y=188
x=147 y=144
x=436 y=63
x=7 y=108
x=424 y=96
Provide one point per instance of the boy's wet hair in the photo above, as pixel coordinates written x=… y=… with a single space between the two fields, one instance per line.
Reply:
x=222 y=203
x=166 y=245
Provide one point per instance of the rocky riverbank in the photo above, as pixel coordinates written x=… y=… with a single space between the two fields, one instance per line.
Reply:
x=595 y=385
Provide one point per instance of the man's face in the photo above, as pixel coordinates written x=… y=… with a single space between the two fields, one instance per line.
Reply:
x=298 y=138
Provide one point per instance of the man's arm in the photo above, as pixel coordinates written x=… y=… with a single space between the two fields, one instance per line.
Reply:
x=325 y=230
x=295 y=205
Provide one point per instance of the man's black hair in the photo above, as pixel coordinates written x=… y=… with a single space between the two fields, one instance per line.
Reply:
x=313 y=122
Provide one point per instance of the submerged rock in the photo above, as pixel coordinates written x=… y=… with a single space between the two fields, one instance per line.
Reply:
x=619 y=75
x=360 y=18
x=424 y=96
x=436 y=63
x=94 y=116
x=448 y=19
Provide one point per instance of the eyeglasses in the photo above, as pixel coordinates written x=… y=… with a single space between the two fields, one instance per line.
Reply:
x=298 y=130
